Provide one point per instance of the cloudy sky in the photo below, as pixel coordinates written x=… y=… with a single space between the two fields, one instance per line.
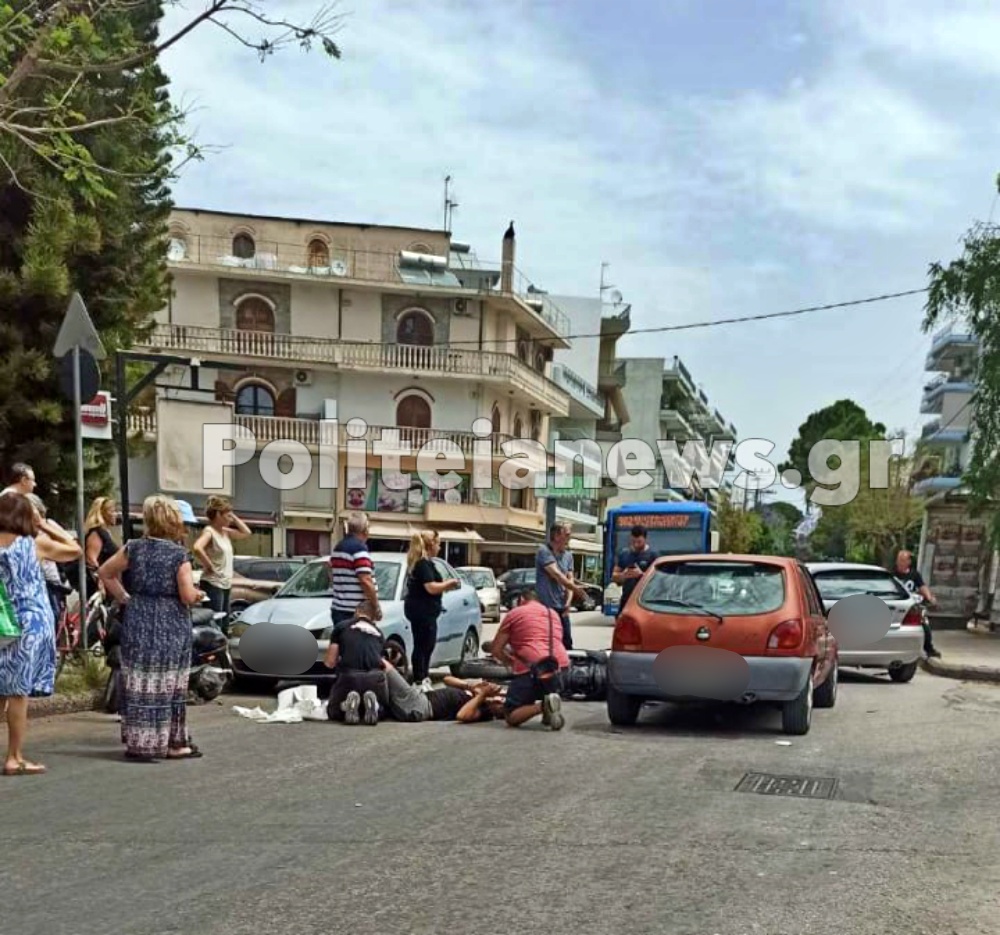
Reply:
x=725 y=158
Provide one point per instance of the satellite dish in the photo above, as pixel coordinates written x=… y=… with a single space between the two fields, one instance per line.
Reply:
x=616 y=297
x=338 y=268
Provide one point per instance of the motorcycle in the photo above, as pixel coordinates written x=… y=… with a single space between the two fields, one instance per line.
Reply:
x=211 y=666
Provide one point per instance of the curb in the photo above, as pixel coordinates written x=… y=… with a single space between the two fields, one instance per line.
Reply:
x=965 y=673
x=57 y=705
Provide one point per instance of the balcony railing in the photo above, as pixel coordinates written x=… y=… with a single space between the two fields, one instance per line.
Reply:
x=312 y=433
x=347 y=263
x=573 y=383
x=449 y=361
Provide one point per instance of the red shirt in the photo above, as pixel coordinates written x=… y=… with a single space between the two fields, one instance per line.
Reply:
x=527 y=628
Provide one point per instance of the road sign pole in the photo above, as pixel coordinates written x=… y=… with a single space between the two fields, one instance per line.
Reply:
x=81 y=509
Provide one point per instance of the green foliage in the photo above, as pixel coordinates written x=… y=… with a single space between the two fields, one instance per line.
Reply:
x=968 y=289
x=844 y=420
x=740 y=531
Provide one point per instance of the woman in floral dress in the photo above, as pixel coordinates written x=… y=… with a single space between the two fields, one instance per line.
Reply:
x=157 y=591
x=27 y=664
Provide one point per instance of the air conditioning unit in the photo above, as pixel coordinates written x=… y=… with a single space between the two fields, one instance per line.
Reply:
x=303 y=378
x=461 y=306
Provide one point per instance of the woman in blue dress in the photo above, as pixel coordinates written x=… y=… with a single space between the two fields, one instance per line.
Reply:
x=27 y=664
x=153 y=579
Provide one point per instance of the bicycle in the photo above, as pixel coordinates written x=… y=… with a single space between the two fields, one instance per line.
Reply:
x=69 y=634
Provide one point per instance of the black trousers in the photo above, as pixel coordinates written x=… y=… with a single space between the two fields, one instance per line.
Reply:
x=352 y=681
x=425 y=632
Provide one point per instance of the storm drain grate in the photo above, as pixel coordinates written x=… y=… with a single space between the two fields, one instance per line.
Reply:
x=801 y=787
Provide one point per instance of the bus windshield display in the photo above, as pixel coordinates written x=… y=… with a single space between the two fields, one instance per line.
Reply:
x=665 y=541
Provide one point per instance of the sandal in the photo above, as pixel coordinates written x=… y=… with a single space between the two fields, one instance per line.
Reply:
x=193 y=753
x=140 y=757
x=24 y=769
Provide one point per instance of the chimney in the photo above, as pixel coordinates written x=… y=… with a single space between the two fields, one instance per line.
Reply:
x=507 y=265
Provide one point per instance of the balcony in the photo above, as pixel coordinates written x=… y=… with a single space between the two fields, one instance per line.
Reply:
x=314 y=433
x=934 y=434
x=348 y=267
x=675 y=424
x=585 y=401
x=941 y=386
x=678 y=373
x=445 y=362
x=949 y=347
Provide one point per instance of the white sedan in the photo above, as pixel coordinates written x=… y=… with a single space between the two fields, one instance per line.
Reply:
x=304 y=601
x=900 y=649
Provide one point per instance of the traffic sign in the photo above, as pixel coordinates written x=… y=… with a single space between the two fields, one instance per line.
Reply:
x=77 y=330
x=90 y=376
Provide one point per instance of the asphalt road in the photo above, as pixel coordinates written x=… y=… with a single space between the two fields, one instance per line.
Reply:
x=441 y=828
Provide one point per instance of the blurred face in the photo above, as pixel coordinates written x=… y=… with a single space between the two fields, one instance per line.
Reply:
x=433 y=545
x=27 y=483
x=638 y=543
x=903 y=561
x=560 y=539
x=110 y=512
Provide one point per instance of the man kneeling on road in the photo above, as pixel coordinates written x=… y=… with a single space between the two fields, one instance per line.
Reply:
x=465 y=702
x=531 y=634
x=355 y=651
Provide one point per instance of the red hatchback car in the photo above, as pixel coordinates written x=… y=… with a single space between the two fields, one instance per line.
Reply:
x=764 y=611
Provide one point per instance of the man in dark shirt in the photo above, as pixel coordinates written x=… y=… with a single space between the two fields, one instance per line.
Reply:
x=913 y=581
x=460 y=701
x=631 y=564
x=356 y=653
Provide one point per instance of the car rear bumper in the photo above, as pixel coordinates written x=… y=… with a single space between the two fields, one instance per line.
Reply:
x=771 y=678
x=900 y=646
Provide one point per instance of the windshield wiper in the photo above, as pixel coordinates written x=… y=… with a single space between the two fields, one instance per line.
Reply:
x=675 y=603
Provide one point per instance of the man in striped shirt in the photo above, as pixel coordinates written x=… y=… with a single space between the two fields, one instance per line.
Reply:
x=352 y=574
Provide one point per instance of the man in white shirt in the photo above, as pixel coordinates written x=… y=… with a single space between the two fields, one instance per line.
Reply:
x=22 y=480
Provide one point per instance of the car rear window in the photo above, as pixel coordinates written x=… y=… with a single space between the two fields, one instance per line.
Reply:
x=727 y=588
x=837 y=584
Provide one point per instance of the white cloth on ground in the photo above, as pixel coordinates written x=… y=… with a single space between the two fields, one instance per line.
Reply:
x=295 y=705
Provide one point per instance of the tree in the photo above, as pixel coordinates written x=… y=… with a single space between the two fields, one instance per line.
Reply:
x=54 y=52
x=844 y=420
x=740 y=531
x=969 y=288
x=881 y=521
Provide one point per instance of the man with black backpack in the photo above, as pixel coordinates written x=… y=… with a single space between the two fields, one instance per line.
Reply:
x=530 y=642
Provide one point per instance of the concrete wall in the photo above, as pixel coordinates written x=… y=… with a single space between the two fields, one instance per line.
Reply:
x=585 y=318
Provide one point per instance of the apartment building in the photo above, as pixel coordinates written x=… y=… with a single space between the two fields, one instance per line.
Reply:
x=664 y=403
x=954 y=554
x=292 y=323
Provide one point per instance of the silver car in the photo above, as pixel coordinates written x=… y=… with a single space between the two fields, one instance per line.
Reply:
x=900 y=649
x=483 y=580
x=304 y=601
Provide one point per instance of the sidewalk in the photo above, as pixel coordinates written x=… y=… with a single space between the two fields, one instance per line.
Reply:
x=971 y=655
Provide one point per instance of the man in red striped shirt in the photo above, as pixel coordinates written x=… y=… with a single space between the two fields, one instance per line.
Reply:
x=352 y=573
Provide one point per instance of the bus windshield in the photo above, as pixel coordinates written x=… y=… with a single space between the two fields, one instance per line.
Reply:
x=665 y=541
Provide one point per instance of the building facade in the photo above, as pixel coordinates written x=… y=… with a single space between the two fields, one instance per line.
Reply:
x=297 y=327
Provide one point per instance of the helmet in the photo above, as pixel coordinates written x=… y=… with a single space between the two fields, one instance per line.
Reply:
x=207 y=683
x=207 y=640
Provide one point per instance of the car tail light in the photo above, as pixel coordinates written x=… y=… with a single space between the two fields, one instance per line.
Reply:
x=785 y=636
x=626 y=637
x=913 y=617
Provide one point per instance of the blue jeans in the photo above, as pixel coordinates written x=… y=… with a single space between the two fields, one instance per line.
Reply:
x=567 y=639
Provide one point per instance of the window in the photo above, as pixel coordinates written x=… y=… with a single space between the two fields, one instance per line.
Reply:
x=495 y=419
x=413 y=412
x=314 y=581
x=838 y=584
x=244 y=247
x=518 y=427
x=319 y=253
x=415 y=328
x=727 y=588
x=812 y=598
x=523 y=352
x=255 y=399
x=536 y=425
x=540 y=362
x=254 y=314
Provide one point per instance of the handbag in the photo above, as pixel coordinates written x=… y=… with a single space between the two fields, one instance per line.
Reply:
x=10 y=629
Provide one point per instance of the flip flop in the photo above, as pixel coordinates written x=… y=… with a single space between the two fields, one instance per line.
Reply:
x=193 y=754
x=140 y=757
x=23 y=769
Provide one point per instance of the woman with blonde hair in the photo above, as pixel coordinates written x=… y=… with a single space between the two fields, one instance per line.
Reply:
x=98 y=545
x=214 y=551
x=422 y=604
x=157 y=590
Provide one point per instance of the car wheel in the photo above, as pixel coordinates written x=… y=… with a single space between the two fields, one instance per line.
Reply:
x=395 y=652
x=489 y=670
x=470 y=651
x=903 y=673
x=796 y=716
x=623 y=710
x=826 y=695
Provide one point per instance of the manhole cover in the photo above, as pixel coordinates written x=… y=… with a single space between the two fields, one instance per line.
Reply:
x=802 y=787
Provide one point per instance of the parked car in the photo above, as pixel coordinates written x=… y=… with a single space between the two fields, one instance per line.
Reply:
x=765 y=609
x=256 y=579
x=514 y=583
x=483 y=580
x=900 y=649
x=304 y=601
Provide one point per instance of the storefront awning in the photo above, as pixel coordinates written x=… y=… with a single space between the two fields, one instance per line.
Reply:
x=307 y=514
x=253 y=520
x=377 y=530
x=585 y=547
x=459 y=535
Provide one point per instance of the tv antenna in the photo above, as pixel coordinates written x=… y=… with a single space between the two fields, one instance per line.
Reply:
x=616 y=296
x=449 y=204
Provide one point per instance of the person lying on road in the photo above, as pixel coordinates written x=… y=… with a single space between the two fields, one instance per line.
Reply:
x=355 y=652
x=465 y=702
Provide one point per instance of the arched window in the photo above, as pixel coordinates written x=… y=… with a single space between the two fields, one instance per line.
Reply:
x=413 y=412
x=540 y=362
x=254 y=314
x=518 y=427
x=244 y=247
x=536 y=425
x=319 y=254
x=415 y=328
x=495 y=419
x=523 y=352
x=254 y=399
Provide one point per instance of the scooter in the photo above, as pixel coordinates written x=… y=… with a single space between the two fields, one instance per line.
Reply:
x=211 y=665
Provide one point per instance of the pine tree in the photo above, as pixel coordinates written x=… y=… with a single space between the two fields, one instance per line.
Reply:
x=103 y=235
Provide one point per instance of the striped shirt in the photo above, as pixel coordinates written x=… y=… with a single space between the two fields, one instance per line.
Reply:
x=348 y=562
